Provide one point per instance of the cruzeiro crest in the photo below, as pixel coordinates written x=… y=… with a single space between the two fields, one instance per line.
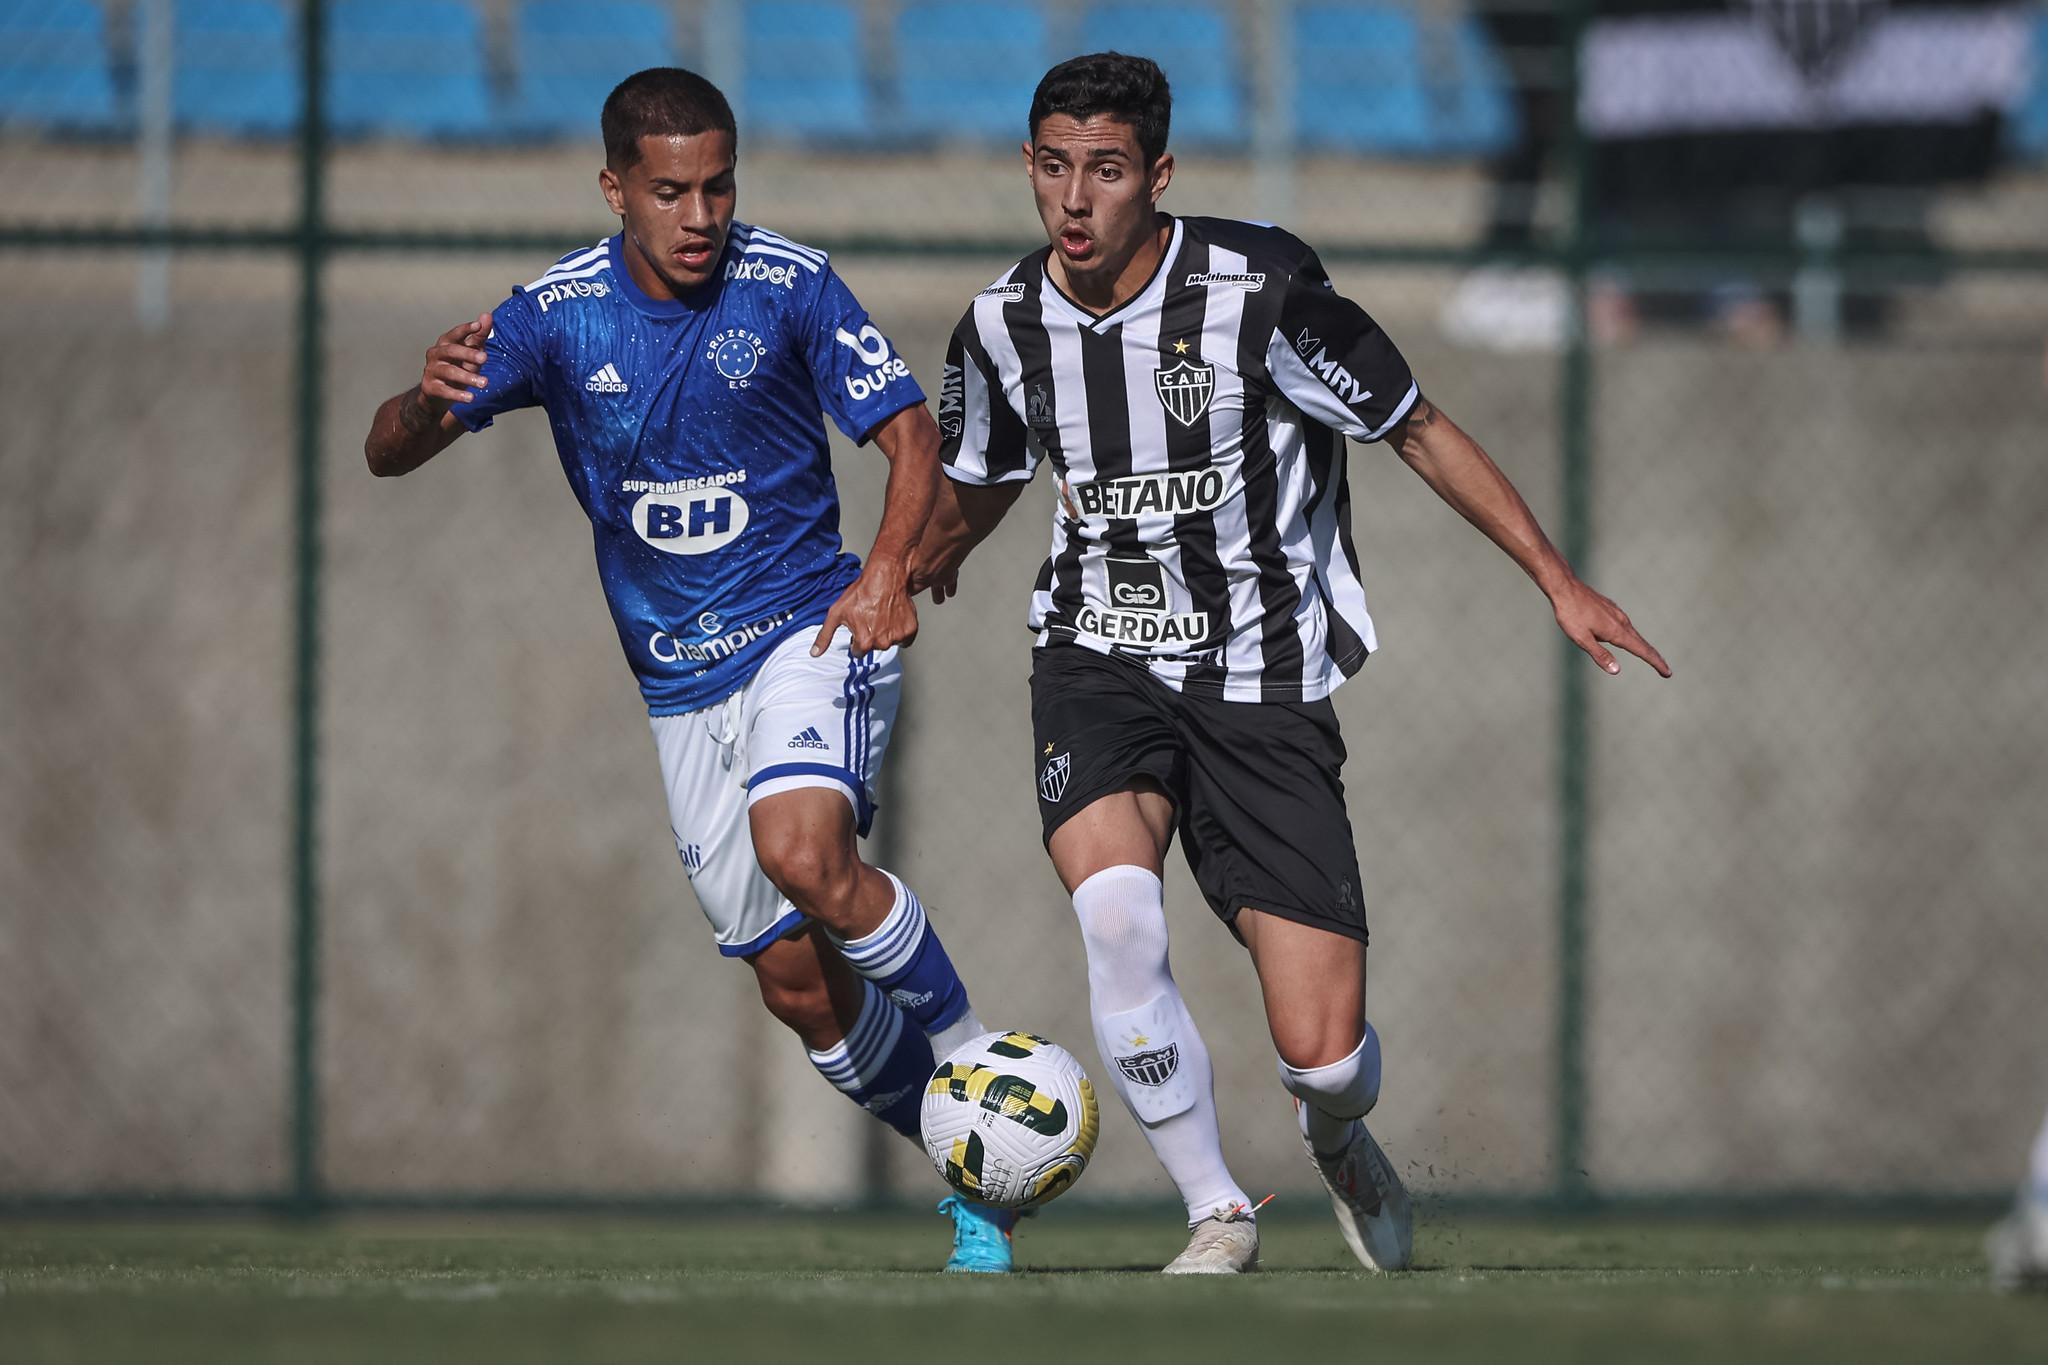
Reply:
x=1151 y=1068
x=1184 y=390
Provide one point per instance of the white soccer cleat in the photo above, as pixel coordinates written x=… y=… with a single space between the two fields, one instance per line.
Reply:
x=2018 y=1248
x=1225 y=1243
x=1373 y=1210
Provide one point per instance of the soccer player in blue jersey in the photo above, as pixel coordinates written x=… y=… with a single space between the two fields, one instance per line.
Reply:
x=686 y=365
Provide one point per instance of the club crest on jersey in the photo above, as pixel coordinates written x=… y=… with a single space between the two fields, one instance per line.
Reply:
x=1052 y=783
x=736 y=352
x=1151 y=1068
x=1184 y=390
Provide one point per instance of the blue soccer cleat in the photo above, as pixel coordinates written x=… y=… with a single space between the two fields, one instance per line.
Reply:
x=981 y=1237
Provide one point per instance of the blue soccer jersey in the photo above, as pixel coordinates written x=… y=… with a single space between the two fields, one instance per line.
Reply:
x=692 y=433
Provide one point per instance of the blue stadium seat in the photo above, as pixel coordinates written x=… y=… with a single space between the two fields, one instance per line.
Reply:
x=1192 y=42
x=408 y=68
x=968 y=69
x=1466 y=82
x=803 y=74
x=1359 y=80
x=55 y=71
x=236 y=67
x=2028 y=129
x=568 y=54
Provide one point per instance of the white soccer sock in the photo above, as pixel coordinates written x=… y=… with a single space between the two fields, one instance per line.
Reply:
x=1334 y=1097
x=1148 y=1041
x=904 y=957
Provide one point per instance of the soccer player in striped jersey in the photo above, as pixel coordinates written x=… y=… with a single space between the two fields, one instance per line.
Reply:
x=1191 y=381
x=686 y=366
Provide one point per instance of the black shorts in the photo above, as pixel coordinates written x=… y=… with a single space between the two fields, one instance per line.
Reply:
x=1255 y=785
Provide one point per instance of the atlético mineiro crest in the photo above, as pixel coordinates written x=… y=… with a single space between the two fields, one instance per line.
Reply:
x=1184 y=390
x=1151 y=1068
x=1052 y=783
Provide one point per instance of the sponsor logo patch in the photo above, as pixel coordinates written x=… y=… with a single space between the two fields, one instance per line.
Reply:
x=1326 y=366
x=1146 y=630
x=1012 y=292
x=1250 y=283
x=952 y=403
x=809 y=738
x=1175 y=492
x=1136 y=584
x=881 y=367
x=565 y=290
x=691 y=523
x=759 y=271
x=712 y=647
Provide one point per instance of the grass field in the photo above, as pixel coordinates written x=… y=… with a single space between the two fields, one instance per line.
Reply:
x=859 y=1287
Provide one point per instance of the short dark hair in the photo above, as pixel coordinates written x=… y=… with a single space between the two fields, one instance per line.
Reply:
x=662 y=101
x=1131 y=89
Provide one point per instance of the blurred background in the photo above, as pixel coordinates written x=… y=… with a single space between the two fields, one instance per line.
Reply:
x=333 y=861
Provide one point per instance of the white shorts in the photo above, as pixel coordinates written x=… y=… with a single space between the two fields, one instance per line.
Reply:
x=799 y=722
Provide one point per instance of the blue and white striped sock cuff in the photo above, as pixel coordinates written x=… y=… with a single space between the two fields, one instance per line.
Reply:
x=853 y=1063
x=889 y=949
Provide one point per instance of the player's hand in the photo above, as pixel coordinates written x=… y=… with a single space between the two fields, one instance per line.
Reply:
x=877 y=609
x=455 y=364
x=935 y=570
x=1592 y=622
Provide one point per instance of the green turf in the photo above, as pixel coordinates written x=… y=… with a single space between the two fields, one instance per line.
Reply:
x=850 y=1288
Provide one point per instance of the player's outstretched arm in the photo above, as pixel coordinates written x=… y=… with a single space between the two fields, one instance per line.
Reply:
x=416 y=425
x=962 y=518
x=1452 y=464
x=877 y=608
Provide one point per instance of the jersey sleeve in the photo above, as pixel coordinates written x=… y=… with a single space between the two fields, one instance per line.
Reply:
x=512 y=364
x=981 y=438
x=861 y=380
x=1332 y=360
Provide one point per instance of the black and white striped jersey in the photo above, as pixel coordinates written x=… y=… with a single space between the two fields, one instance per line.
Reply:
x=1201 y=521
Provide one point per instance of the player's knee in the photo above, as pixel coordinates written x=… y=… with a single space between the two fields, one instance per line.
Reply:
x=1123 y=929
x=1346 y=1084
x=819 y=878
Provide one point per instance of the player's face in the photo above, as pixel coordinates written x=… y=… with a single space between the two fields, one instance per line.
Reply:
x=677 y=202
x=1096 y=196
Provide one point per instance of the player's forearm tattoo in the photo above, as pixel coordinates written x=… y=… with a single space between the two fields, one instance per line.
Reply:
x=414 y=414
x=1423 y=413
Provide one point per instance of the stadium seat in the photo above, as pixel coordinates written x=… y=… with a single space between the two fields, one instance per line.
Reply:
x=567 y=55
x=236 y=67
x=1193 y=43
x=803 y=73
x=55 y=70
x=407 y=68
x=1359 y=73
x=2028 y=128
x=968 y=69
x=1466 y=82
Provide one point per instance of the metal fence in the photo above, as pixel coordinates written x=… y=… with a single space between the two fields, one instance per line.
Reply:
x=334 y=871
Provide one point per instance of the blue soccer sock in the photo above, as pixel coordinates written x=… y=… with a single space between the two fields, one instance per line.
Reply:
x=904 y=957
x=881 y=1064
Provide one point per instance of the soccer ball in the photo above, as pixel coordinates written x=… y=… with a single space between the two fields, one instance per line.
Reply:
x=1010 y=1120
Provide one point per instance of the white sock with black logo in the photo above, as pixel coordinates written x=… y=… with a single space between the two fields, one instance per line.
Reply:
x=1334 y=1097
x=1148 y=1041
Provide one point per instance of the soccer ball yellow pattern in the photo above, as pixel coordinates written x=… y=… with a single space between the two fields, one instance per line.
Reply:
x=1010 y=1120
